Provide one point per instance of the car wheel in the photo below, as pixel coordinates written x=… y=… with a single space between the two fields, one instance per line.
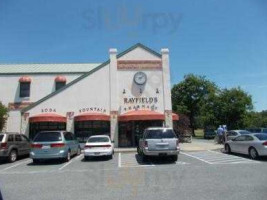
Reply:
x=227 y=148
x=13 y=156
x=253 y=153
x=35 y=161
x=67 y=159
x=79 y=151
x=174 y=158
x=139 y=151
x=111 y=156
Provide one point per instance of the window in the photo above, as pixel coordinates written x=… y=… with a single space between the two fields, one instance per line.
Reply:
x=249 y=138
x=48 y=137
x=240 y=138
x=60 y=85
x=24 y=138
x=10 y=138
x=1 y=137
x=18 y=138
x=25 y=89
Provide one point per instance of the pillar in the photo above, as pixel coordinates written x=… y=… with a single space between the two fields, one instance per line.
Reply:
x=113 y=96
x=166 y=88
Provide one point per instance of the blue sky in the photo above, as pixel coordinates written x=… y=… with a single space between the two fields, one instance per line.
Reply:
x=225 y=40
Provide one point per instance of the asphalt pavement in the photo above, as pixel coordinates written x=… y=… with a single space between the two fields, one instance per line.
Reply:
x=196 y=175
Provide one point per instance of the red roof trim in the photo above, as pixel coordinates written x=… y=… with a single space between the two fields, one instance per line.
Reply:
x=25 y=79
x=92 y=117
x=47 y=117
x=61 y=79
x=175 y=117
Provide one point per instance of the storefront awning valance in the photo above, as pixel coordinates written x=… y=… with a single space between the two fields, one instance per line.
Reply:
x=47 y=117
x=92 y=117
x=144 y=115
x=61 y=79
x=25 y=79
x=141 y=115
x=175 y=117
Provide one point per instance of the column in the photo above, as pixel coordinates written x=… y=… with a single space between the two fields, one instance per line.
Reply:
x=166 y=87
x=113 y=96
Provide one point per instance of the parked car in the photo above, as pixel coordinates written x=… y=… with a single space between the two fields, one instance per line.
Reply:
x=157 y=142
x=98 y=145
x=13 y=145
x=257 y=130
x=209 y=133
x=54 y=145
x=234 y=133
x=254 y=145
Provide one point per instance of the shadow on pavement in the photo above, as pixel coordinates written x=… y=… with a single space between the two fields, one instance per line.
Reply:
x=154 y=160
x=96 y=159
x=5 y=160
x=47 y=162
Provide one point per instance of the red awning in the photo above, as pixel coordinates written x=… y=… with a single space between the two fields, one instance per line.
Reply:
x=175 y=117
x=25 y=79
x=92 y=117
x=61 y=79
x=144 y=115
x=141 y=115
x=47 y=117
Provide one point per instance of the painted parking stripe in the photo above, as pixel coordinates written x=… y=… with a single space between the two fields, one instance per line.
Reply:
x=17 y=164
x=213 y=157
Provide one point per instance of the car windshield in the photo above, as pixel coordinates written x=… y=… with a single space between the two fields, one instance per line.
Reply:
x=98 y=139
x=1 y=137
x=244 y=132
x=48 y=137
x=261 y=136
x=159 y=134
x=264 y=130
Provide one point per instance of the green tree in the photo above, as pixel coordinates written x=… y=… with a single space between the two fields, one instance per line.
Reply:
x=190 y=95
x=232 y=108
x=3 y=115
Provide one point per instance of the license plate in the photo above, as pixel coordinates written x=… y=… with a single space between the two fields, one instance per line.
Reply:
x=162 y=154
x=46 y=147
x=97 y=153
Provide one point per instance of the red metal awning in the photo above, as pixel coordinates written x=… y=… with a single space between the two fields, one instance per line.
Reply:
x=175 y=117
x=61 y=79
x=47 y=117
x=141 y=115
x=25 y=79
x=90 y=116
x=144 y=115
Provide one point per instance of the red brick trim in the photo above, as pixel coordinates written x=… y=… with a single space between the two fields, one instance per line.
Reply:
x=18 y=105
x=139 y=64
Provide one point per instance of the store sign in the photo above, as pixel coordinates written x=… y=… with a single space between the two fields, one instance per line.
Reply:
x=139 y=64
x=92 y=109
x=140 y=100
x=48 y=110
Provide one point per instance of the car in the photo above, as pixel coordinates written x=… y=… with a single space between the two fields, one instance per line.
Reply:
x=158 y=142
x=13 y=145
x=257 y=130
x=54 y=145
x=209 y=133
x=254 y=145
x=234 y=133
x=98 y=145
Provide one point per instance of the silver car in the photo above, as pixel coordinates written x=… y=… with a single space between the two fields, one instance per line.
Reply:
x=234 y=133
x=159 y=141
x=254 y=145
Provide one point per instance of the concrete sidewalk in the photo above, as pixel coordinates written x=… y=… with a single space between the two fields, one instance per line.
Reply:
x=195 y=145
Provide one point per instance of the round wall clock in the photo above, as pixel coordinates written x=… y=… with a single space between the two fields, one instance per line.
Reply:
x=140 y=78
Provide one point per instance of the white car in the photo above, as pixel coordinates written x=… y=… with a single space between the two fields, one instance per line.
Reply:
x=99 y=145
x=254 y=145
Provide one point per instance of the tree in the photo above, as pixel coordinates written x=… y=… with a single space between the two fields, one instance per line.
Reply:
x=190 y=95
x=233 y=107
x=3 y=115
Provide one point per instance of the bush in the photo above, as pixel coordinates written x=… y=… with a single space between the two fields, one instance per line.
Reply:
x=3 y=115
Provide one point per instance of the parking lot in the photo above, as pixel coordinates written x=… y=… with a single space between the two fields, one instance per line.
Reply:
x=126 y=176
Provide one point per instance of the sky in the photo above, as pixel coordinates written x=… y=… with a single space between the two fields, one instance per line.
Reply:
x=224 y=40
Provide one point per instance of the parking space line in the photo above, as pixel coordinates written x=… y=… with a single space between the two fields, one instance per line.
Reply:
x=196 y=158
x=66 y=164
x=119 y=160
x=17 y=164
x=78 y=157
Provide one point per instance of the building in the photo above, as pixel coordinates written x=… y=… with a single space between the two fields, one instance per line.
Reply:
x=119 y=97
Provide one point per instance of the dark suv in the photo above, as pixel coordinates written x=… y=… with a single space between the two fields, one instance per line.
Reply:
x=13 y=145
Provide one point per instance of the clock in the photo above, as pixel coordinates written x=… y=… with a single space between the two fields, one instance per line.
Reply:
x=140 y=78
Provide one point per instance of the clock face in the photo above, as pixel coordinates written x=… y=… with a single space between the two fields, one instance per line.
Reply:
x=140 y=78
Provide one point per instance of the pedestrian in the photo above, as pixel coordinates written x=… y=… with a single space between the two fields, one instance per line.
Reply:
x=220 y=134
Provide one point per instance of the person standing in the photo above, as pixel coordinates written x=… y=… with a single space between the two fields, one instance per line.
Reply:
x=220 y=134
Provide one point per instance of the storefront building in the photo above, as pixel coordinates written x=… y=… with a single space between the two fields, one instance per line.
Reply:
x=120 y=97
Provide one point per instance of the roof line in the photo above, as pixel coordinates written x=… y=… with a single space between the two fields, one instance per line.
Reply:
x=43 y=73
x=87 y=74
x=48 y=63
